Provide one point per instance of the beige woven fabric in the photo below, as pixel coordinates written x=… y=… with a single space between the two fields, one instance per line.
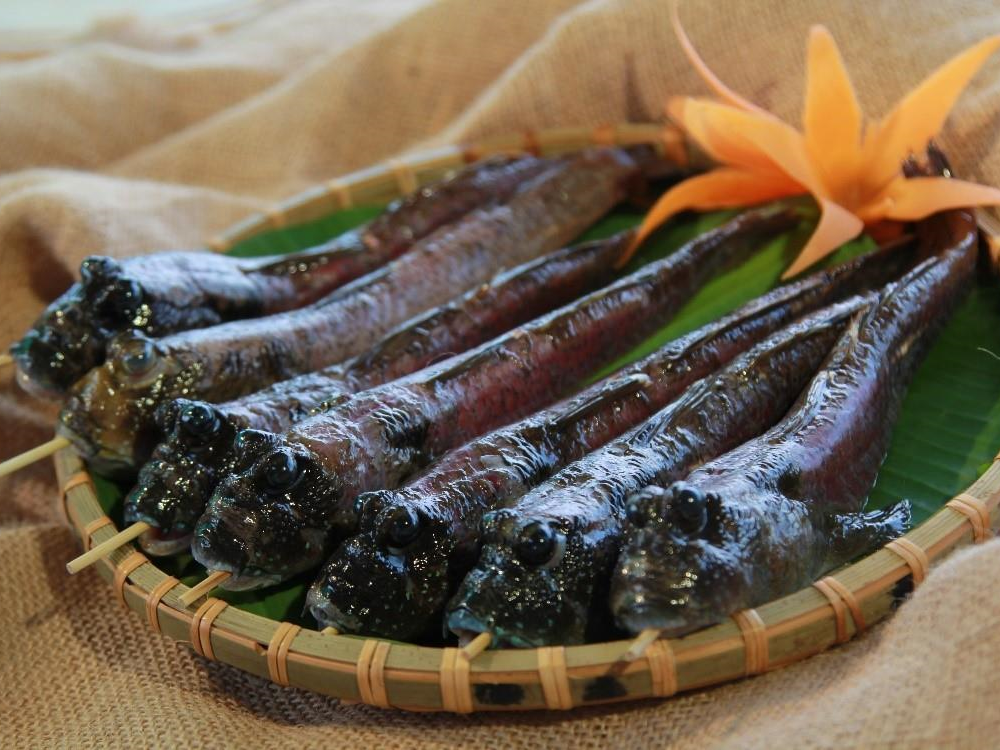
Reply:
x=137 y=138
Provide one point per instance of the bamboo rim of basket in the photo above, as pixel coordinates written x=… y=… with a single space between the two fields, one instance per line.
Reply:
x=420 y=678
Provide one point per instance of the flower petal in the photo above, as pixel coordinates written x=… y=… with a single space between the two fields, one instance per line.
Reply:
x=916 y=198
x=753 y=141
x=723 y=144
x=720 y=188
x=920 y=114
x=836 y=226
x=721 y=90
x=831 y=118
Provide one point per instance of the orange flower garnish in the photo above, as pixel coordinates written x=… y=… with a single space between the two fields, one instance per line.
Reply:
x=853 y=171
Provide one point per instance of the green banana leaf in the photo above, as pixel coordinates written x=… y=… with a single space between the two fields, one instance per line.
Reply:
x=947 y=434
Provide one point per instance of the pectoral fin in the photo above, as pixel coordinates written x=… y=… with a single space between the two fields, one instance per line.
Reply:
x=856 y=534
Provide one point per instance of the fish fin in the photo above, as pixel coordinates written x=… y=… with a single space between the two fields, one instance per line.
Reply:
x=855 y=534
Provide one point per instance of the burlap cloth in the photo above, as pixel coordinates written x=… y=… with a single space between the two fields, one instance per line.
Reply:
x=137 y=137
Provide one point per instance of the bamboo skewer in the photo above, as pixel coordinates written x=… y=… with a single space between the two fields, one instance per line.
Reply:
x=195 y=593
x=35 y=454
x=644 y=640
x=106 y=547
x=477 y=645
x=6 y=359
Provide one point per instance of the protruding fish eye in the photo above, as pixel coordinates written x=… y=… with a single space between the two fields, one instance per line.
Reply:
x=249 y=443
x=536 y=543
x=641 y=506
x=399 y=526
x=367 y=506
x=137 y=357
x=691 y=507
x=199 y=420
x=495 y=526
x=280 y=470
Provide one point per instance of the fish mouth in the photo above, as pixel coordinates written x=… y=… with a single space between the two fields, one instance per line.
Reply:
x=329 y=615
x=160 y=544
x=466 y=624
x=101 y=459
x=222 y=544
x=634 y=613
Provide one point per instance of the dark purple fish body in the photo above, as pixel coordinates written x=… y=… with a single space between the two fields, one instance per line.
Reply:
x=546 y=558
x=175 y=485
x=109 y=416
x=774 y=514
x=285 y=513
x=167 y=292
x=417 y=543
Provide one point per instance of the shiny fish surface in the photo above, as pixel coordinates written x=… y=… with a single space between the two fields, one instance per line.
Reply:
x=109 y=416
x=774 y=514
x=541 y=578
x=283 y=514
x=175 y=485
x=167 y=292
x=417 y=543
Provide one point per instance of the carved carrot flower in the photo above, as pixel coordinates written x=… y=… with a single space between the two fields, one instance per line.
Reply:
x=853 y=170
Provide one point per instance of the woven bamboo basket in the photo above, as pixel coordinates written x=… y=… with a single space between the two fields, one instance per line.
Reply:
x=416 y=678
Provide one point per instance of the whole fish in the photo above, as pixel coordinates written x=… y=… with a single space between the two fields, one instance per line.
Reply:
x=175 y=485
x=776 y=513
x=109 y=415
x=167 y=292
x=543 y=571
x=417 y=543
x=283 y=514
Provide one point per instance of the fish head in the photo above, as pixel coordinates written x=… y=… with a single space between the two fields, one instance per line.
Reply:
x=69 y=338
x=273 y=519
x=531 y=587
x=674 y=572
x=110 y=413
x=392 y=579
x=174 y=486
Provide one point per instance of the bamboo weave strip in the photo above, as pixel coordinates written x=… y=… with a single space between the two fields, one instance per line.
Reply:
x=153 y=601
x=91 y=528
x=370 y=672
x=276 y=216
x=839 y=610
x=124 y=569
x=79 y=479
x=976 y=511
x=847 y=596
x=913 y=556
x=277 y=652
x=662 y=668
x=604 y=135
x=755 y=645
x=340 y=190
x=552 y=674
x=531 y=143
x=406 y=179
x=201 y=626
x=456 y=686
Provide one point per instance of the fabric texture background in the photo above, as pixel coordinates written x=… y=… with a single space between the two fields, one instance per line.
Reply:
x=135 y=138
